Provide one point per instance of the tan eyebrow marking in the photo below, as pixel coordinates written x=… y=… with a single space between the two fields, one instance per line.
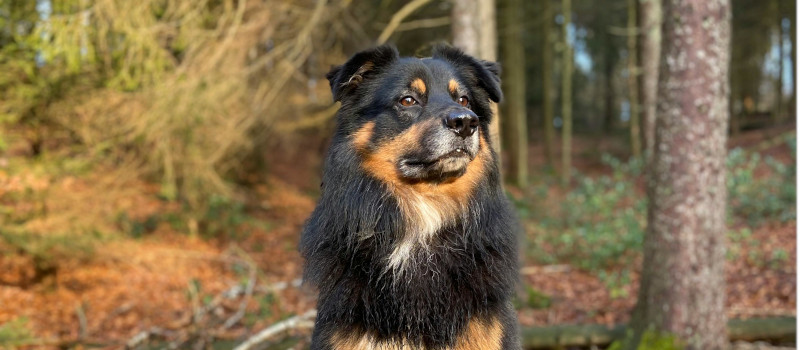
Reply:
x=419 y=85
x=453 y=86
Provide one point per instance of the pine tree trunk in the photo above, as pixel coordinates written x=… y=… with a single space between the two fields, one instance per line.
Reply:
x=516 y=125
x=547 y=82
x=566 y=97
x=610 y=112
x=792 y=34
x=650 y=56
x=474 y=29
x=683 y=278
x=778 y=110
x=633 y=82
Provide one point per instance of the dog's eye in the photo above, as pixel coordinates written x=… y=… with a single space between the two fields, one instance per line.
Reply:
x=463 y=100
x=408 y=101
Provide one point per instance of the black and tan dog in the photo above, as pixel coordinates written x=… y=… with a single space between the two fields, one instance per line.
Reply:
x=413 y=243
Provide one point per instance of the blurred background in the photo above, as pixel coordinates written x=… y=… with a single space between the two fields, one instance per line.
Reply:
x=159 y=157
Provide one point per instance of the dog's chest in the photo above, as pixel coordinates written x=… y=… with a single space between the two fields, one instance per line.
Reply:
x=425 y=214
x=477 y=335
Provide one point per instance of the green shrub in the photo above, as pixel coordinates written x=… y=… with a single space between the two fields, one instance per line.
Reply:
x=758 y=199
x=15 y=333
x=651 y=340
x=598 y=226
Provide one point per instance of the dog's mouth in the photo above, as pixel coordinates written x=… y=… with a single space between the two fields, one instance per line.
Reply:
x=441 y=168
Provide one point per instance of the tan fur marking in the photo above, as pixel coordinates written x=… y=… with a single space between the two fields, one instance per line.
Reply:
x=419 y=85
x=364 y=341
x=362 y=136
x=479 y=335
x=453 y=86
x=425 y=206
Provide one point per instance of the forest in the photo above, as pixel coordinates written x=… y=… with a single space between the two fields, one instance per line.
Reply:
x=158 y=159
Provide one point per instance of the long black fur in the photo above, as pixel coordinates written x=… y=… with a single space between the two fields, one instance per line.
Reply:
x=471 y=269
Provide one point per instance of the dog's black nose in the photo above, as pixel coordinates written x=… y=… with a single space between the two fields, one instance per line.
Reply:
x=463 y=123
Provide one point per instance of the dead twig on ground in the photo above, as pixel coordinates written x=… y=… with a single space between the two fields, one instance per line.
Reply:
x=533 y=270
x=303 y=321
x=248 y=293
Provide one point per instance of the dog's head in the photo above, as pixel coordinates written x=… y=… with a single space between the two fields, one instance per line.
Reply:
x=416 y=120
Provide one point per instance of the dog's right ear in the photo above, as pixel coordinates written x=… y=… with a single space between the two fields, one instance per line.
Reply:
x=345 y=78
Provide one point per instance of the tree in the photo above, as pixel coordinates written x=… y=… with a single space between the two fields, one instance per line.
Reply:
x=566 y=96
x=547 y=82
x=682 y=290
x=513 y=61
x=753 y=22
x=777 y=110
x=633 y=83
x=791 y=9
x=650 y=54
x=475 y=31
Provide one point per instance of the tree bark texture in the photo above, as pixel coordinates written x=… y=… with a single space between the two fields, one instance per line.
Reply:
x=547 y=82
x=792 y=9
x=633 y=82
x=566 y=96
x=513 y=60
x=650 y=56
x=474 y=29
x=683 y=280
x=778 y=110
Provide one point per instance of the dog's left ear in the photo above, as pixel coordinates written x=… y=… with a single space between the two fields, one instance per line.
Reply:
x=485 y=73
x=346 y=78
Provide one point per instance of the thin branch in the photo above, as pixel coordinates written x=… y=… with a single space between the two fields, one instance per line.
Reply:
x=424 y=23
x=535 y=270
x=251 y=282
x=624 y=31
x=398 y=17
x=296 y=322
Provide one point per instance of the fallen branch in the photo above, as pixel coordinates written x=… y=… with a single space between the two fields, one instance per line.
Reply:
x=303 y=321
x=533 y=270
x=248 y=293
x=776 y=328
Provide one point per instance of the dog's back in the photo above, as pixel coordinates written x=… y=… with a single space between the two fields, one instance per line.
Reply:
x=413 y=244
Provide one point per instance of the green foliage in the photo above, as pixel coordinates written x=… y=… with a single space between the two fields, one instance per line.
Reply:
x=651 y=340
x=537 y=299
x=758 y=199
x=600 y=224
x=119 y=84
x=224 y=216
x=15 y=333
x=598 y=227
x=48 y=250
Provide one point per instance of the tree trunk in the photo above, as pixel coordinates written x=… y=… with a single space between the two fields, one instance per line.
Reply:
x=683 y=278
x=566 y=97
x=633 y=82
x=474 y=29
x=610 y=112
x=547 y=82
x=650 y=55
x=516 y=125
x=778 y=109
x=793 y=35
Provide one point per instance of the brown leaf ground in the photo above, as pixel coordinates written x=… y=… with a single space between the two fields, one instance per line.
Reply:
x=127 y=284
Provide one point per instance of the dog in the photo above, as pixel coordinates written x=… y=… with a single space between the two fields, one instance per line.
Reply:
x=413 y=244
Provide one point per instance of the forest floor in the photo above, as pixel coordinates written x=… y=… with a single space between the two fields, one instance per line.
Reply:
x=164 y=284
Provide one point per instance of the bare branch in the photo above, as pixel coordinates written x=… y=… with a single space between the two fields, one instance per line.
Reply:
x=424 y=23
x=398 y=17
x=296 y=322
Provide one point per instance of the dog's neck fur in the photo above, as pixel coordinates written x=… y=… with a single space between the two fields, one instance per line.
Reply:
x=451 y=270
